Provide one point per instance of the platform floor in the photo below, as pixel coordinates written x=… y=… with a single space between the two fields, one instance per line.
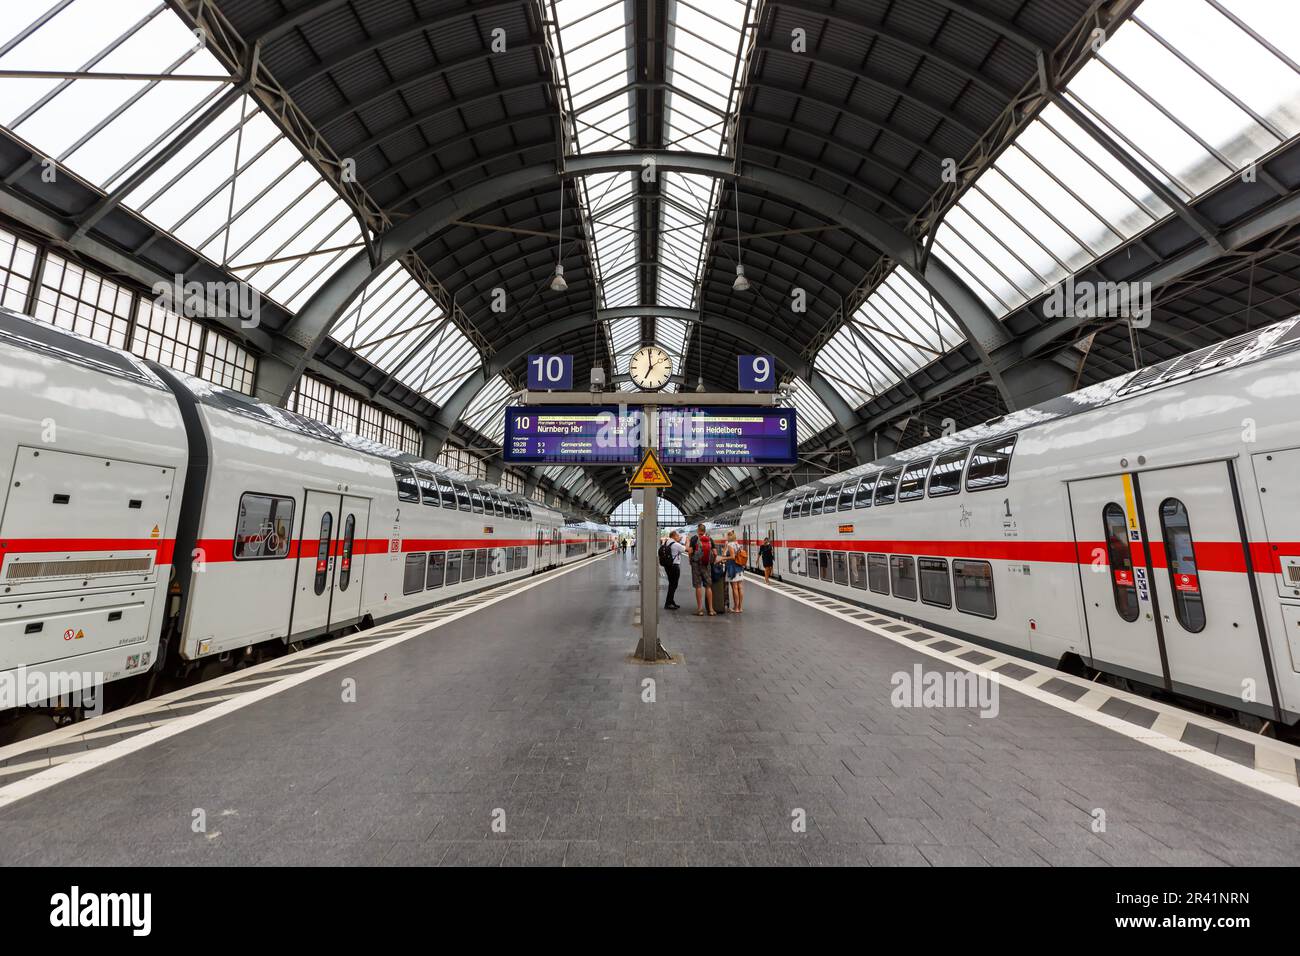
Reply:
x=528 y=710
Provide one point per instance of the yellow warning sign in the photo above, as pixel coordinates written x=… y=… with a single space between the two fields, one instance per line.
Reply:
x=154 y=532
x=650 y=474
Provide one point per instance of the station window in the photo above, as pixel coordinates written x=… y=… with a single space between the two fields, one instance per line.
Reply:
x=885 y=487
x=824 y=566
x=323 y=551
x=428 y=488
x=858 y=570
x=973 y=584
x=481 y=563
x=462 y=496
x=437 y=569
x=1180 y=555
x=902 y=576
x=407 y=489
x=878 y=573
x=990 y=464
x=913 y=484
x=447 y=493
x=945 y=476
x=345 y=558
x=846 y=495
x=934 y=581
x=453 y=568
x=865 y=489
x=263 y=528
x=413 y=573
x=841 y=565
x=1121 y=562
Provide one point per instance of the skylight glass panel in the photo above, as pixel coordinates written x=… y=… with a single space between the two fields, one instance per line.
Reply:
x=814 y=416
x=102 y=129
x=704 y=45
x=484 y=414
x=592 y=39
x=613 y=218
x=897 y=330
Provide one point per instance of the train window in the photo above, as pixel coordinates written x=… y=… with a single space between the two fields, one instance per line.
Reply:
x=462 y=496
x=858 y=570
x=1180 y=554
x=878 y=573
x=789 y=504
x=468 y=566
x=476 y=501
x=934 y=581
x=407 y=489
x=810 y=563
x=818 y=502
x=428 y=488
x=973 y=583
x=865 y=488
x=437 y=569
x=990 y=464
x=323 y=551
x=514 y=510
x=824 y=566
x=448 y=493
x=846 y=495
x=885 y=487
x=805 y=505
x=1121 y=562
x=263 y=528
x=912 y=485
x=413 y=573
x=945 y=476
x=902 y=576
x=526 y=511
x=453 y=568
x=481 y=563
x=840 y=562
x=345 y=559
x=521 y=558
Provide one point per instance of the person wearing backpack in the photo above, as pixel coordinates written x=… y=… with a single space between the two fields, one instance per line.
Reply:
x=767 y=557
x=670 y=554
x=702 y=557
x=737 y=559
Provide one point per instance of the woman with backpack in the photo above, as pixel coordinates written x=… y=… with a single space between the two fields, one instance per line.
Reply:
x=702 y=559
x=737 y=559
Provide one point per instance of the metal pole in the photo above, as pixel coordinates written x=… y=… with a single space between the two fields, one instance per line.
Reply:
x=648 y=550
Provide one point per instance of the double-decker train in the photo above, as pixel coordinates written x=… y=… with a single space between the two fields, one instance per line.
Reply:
x=1146 y=528
x=154 y=522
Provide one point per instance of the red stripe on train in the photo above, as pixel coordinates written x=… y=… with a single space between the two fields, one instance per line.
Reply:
x=162 y=547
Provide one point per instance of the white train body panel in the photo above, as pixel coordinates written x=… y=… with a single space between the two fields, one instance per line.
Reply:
x=1213 y=450
x=92 y=460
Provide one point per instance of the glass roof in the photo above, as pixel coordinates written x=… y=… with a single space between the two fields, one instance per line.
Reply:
x=1193 y=90
x=484 y=413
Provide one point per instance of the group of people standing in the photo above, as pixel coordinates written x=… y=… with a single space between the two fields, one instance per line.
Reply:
x=716 y=569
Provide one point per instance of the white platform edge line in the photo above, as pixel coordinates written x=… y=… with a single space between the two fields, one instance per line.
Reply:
x=91 y=759
x=1250 y=777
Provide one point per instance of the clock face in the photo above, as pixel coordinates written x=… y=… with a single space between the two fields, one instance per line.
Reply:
x=651 y=368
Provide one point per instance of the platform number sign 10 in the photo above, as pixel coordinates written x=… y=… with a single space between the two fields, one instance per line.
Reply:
x=756 y=373
x=550 y=372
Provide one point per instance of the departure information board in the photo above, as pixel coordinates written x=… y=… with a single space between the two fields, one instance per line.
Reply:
x=728 y=435
x=572 y=435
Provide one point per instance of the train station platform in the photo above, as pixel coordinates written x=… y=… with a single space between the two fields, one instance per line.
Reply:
x=511 y=728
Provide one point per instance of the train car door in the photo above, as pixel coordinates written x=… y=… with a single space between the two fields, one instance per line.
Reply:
x=776 y=552
x=314 y=587
x=354 y=527
x=1208 y=603
x=1114 y=572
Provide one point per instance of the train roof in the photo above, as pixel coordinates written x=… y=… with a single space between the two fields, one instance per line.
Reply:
x=33 y=335
x=1276 y=339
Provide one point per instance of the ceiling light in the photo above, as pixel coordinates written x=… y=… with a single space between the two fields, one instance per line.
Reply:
x=741 y=284
x=557 y=281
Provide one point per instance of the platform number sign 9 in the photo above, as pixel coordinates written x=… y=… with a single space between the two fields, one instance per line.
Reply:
x=756 y=373
x=550 y=372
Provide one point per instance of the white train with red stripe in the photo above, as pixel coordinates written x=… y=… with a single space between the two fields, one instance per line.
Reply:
x=1147 y=528
x=153 y=521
